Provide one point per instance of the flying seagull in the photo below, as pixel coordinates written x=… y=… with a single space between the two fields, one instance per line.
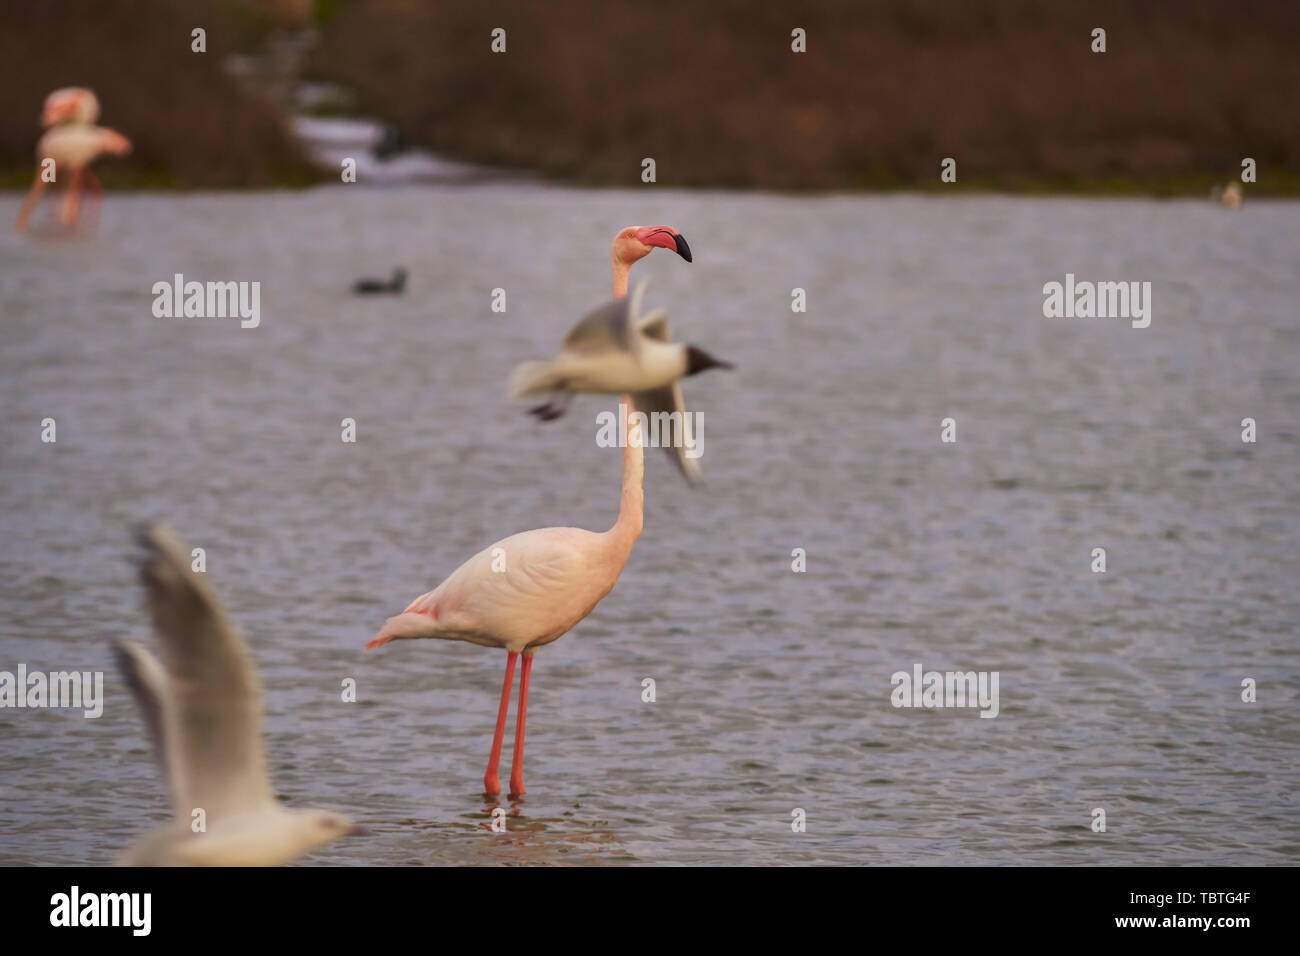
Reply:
x=615 y=350
x=202 y=708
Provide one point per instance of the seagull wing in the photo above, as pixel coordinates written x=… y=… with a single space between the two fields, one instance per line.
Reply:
x=212 y=717
x=604 y=329
x=148 y=683
x=655 y=326
x=669 y=399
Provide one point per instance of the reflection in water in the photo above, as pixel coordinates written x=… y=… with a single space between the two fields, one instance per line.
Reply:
x=569 y=838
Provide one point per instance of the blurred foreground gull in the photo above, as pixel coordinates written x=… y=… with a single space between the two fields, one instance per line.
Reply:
x=616 y=350
x=202 y=707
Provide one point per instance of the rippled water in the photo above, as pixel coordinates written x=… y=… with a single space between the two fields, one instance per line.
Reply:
x=1118 y=690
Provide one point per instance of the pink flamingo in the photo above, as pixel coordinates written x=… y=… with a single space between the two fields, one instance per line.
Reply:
x=526 y=591
x=73 y=143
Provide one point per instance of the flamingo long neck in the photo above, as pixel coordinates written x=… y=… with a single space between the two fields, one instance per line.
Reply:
x=632 y=505
x=621 y=268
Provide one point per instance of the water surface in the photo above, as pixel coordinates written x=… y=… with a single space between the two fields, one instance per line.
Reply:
x=1118 y=690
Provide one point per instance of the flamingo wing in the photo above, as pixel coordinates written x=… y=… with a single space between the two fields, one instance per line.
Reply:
x=527 y=585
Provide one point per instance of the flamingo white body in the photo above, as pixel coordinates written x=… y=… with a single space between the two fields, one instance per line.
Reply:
x=553 y=578
x=202 y=707
x=76 y=144
x=525 y=591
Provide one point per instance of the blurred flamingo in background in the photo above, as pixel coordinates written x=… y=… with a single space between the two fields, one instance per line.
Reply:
x=72 y=142
x=525 y=591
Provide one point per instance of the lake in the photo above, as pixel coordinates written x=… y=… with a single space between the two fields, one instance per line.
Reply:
x=1119 y=690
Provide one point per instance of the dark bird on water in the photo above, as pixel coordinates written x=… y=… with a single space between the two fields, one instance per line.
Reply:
x=374 y=286
x=391 y=142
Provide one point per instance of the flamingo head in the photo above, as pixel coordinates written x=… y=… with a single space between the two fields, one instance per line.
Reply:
x=635 y=242
x=72 y=104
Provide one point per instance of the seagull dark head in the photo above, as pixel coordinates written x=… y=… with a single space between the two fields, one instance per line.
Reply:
x=698 y=360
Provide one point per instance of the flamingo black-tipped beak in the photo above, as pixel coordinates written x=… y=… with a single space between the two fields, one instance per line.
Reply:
x=683 y=249
x=665 y=237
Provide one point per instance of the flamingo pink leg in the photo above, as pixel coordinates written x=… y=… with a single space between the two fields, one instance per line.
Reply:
x=491 y=781
x=29 y=204
x=521 y=720
x=96 y=193
x=72 y=203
